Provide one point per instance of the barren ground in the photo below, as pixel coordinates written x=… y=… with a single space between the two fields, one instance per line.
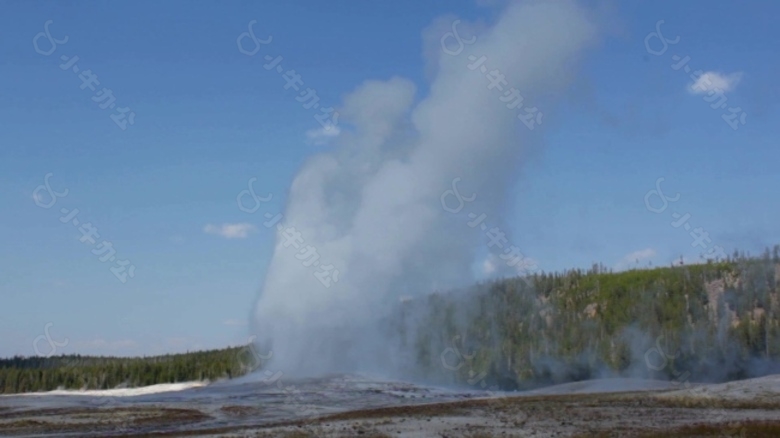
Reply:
x=749 y=408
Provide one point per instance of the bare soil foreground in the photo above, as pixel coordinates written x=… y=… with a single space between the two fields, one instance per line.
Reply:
x=749 y=408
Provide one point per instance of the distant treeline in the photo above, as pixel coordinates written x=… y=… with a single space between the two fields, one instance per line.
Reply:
x=31 y=374
x=703 y=322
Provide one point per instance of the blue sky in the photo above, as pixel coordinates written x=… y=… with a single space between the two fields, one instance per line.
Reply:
x=208 y=118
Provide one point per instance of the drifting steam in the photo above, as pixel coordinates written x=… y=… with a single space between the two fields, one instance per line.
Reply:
x=372 y=208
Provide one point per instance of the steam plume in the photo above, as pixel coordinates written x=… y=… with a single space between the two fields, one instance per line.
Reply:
x=371 y=207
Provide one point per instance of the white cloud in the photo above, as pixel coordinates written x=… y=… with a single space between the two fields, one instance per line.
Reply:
x=635 y=258
x=319 y=137
x=230 y=231
x=495 y=266
x=488 y=266
x=710 y=81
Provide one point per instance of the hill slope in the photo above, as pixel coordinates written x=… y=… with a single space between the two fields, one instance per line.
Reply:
x=707 y=322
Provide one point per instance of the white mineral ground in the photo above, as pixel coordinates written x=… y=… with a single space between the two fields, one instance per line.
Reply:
x=348 y=405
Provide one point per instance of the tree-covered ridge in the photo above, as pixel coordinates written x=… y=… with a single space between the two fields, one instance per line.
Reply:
x=31 y=374
x=714 y=321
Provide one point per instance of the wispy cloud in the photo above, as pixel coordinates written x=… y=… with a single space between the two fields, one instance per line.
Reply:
x=635 y=258
x=489 y=266
x=319 y=137
x=230 y=231
x=711 y=81
x=495 y=266
x=234 y=323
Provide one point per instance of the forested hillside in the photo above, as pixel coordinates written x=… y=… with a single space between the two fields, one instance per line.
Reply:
x=28 y=374
x=704 y=322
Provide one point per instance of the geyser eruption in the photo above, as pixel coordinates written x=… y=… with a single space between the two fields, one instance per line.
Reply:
x=372 y=207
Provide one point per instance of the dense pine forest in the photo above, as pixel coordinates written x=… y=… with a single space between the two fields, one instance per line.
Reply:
x=686 y=323
x=30 y=374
